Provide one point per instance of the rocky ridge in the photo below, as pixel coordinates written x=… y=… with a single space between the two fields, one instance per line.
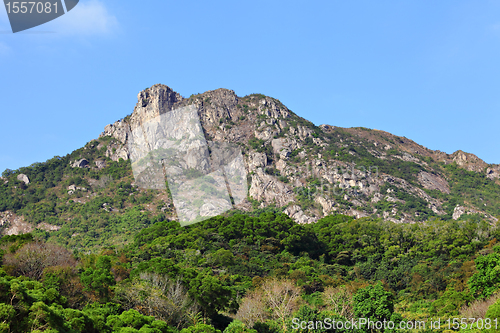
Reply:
x=307 y=170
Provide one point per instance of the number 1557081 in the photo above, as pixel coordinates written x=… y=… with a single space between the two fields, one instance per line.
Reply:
x=31 y=7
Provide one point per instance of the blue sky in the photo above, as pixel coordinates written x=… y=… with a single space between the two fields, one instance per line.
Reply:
x=429 y=71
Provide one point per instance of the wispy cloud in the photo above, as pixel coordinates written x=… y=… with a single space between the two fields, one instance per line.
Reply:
x=87 y=18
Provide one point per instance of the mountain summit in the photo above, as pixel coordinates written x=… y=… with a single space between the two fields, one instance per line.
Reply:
x=268 y=193
x=311 y=171
x=290 y=166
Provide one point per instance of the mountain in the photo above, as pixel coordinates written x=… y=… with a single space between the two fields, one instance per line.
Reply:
x=290 y=160
x=293 y=166
x=97 y=240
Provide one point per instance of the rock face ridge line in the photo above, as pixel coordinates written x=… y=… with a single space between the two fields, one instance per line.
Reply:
x=280 y=148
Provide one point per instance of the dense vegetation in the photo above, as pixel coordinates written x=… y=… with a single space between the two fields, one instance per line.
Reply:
x=118 y=261
x=466 y=187
x=105 y=208
x=234 y=274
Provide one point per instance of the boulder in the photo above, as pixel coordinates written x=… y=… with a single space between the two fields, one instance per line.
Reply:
x=356 y=213
x=493 y=172
x=100 y=164
x=459 y=211
x=298 y=215
x=257 y=160
x=22 y=177
x=116 y=152
x=281 y=148
x=328 y=205
x=81 y=163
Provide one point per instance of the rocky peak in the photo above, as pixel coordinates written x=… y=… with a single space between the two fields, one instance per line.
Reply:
x=469 y=161
x=217 y=104
x=152 y=102
x=311 y=171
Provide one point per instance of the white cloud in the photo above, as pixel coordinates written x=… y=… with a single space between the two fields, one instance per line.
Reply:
x=87 y=18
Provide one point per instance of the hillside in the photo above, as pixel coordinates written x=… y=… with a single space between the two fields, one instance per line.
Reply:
x=293 y=166
x=327 y=168
x=342 y=223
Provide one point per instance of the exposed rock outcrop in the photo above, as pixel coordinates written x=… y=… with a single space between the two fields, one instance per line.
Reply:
x=328 y=205
x=356 y=213
x=296 y=213
x=267 y=188
x=256 y=160
x=458 y=212
x=433 y=182
x=296 y=154
x=23 y=178
x=153 y=102
x=119 y=130
x=283 y=147
x=115 y=152
x=81 y=163
x=469 y=161
x=73 y=188
x=493 y=172
x=100 y=164
x=12 y=224
x=217 y=104
x=48 y=227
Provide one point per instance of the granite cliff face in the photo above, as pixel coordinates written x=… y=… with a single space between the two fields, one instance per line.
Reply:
x=309 y=171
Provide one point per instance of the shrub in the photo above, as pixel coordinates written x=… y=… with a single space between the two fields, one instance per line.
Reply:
x=478 y=308
x=487 y=278
x=274 y=298
x=237 y=326
x=494 y=313
x=33 y=258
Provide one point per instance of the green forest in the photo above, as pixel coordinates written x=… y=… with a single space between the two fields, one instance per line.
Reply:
x=244 y=273
x=119 y=262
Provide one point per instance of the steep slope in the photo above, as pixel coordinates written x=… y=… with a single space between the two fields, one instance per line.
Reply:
x=312 y=171
x=293 y=166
